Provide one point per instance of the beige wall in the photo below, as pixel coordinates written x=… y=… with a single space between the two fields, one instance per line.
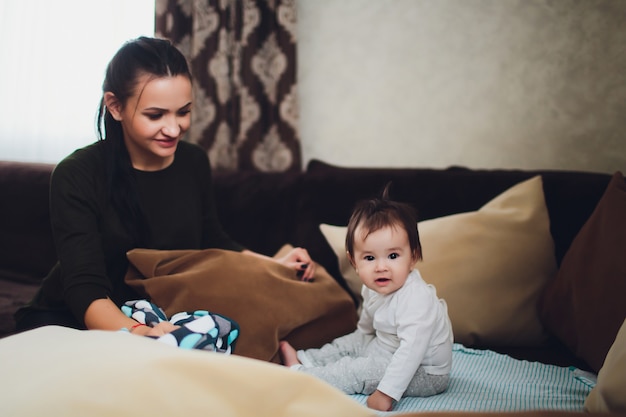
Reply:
x=525 y=84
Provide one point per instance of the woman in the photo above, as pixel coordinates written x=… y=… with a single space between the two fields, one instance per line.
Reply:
x=139 y=185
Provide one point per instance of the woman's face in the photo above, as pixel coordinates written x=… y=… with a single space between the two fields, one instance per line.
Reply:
x=154 y=119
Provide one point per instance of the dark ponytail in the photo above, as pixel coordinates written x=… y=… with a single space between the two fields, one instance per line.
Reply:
x=157 y=58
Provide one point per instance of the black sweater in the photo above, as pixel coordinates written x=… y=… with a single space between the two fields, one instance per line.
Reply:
x=90 y=240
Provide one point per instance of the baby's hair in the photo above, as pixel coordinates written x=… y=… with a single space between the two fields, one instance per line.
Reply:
x=376 y=213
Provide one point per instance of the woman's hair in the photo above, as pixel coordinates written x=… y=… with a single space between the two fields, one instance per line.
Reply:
x=156 y=58
x=376 y=213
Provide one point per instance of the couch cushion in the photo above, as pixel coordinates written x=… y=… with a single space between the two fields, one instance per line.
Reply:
x=609 y=394
x=26 y=248
x=258 y=209
x=490 y=265
x=265 y=298
x=585 y=304
x=13 y=295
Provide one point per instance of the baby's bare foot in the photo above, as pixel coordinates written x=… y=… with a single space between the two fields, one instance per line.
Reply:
x=288 y=354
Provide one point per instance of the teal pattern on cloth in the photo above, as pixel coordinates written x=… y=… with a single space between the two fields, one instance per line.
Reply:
x=199 y=329
x=484 y=381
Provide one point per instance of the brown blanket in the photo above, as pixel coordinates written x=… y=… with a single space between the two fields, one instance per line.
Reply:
x=265 y=298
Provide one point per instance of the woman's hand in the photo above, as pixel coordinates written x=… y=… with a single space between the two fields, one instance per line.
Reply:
x=299 y=260
x=380 y=401
x=103 y=314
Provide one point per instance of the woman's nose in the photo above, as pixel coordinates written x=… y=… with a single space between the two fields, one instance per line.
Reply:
x=171 y=128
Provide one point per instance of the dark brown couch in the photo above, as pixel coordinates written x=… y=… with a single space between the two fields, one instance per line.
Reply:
x=266 y=210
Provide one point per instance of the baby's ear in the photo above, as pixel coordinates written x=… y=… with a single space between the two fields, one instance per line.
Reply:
x=350 y=259
x=417 y=256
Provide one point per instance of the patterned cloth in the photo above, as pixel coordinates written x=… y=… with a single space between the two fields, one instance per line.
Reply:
x=487 y=381
x=199 y=329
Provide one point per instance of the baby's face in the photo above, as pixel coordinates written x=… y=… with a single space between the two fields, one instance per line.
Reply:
x=383 y=259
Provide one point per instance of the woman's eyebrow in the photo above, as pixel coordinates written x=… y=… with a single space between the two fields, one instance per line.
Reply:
x=164 y=110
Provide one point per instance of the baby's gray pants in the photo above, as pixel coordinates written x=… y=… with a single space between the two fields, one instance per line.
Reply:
x=355 y=364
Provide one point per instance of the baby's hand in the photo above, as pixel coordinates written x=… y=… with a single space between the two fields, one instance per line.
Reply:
x=379 y=401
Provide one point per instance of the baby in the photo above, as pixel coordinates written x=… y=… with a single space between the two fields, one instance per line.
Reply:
x=403 y=342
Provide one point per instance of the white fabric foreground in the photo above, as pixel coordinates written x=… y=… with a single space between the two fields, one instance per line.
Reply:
x=64 y=372
x=486 y=381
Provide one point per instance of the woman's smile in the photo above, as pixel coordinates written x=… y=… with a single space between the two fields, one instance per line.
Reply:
x=167 y=143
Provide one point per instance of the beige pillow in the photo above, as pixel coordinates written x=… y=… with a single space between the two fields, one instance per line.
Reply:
x=336 y=238
x=609 y=394
x=57 y=371
x=490 y=266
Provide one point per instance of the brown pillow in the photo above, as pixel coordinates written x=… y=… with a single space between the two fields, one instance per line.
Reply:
x=585 y=304
x=264 y=297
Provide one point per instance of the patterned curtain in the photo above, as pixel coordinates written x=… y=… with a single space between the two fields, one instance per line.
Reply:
x=243 y=59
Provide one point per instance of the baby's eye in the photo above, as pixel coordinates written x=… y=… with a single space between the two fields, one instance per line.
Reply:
x=368 y=258
x=393 y=255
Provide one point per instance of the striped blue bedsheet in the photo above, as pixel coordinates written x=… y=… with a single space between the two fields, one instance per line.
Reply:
x=483 y=380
